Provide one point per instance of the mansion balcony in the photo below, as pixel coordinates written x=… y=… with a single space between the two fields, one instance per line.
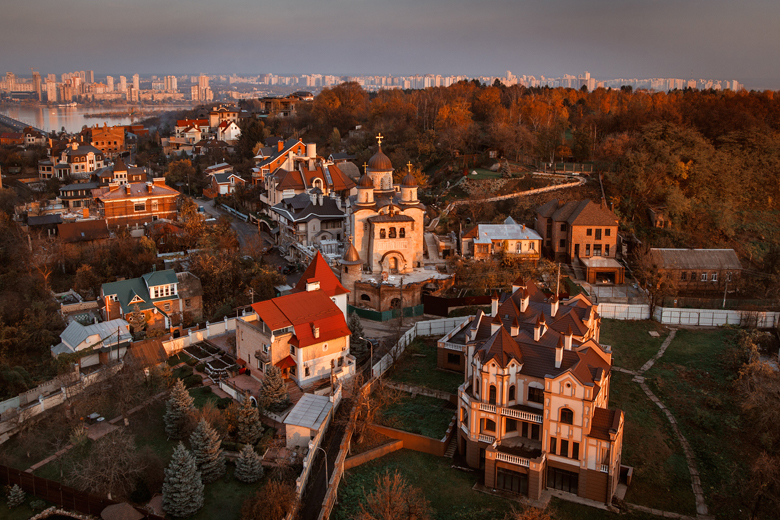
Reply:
x=518 y=411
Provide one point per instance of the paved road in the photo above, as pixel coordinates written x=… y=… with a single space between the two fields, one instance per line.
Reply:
x=17 y=125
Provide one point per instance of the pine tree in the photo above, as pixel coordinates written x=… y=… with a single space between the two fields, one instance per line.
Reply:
x=183 y=489
x=206 y=449
x=15 y=496
x=273 y=393
x=506 y=173
x=176 y=410
x=249 y=465
x=358 y=347
x=249 y=427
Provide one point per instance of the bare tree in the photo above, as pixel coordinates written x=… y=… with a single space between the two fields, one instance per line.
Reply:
x=394 y=498
x=111 y=468
x=273 y=501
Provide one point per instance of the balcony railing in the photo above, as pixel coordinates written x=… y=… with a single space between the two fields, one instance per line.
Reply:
x=522 y=415
x=512 y=459
x=465 y=429
x=485 y=407
x=452 y=346
x=605 y=468
x=486 y=438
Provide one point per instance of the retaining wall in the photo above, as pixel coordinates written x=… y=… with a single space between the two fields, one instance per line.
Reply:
x=376 y=453
x=415 y=442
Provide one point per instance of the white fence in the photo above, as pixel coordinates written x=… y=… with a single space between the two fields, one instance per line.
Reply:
x=421 y=328
x=624 y=311
x=716 y=318
x=175 y=345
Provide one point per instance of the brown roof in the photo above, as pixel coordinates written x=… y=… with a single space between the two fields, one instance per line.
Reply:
x=379 y=161
x=149 y=352
x=137 y=190
x=501 y=347
x=578 y=213
x=604 y=422
x=83 y=231
x=320 y=271
x=695 y=259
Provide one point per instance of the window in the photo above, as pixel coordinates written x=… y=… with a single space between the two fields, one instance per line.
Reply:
x=598 y=234
x=292 y=350
x=490 y=425
x=596 y=249
x=154 y=205
x=589 y=232
x=292 y=370
x=535 y=432
x=703 y=277
x=587 y=249
x=575 y=450
x=564 y=448
x=536 y=395
x=524 y=429
x=683 y=275
x=453 y=359
x=607 y=232
x=365 y=297
x=512 y=481
x=511 y=425
x=512 y=393
x=187 y=303
x=492 y=395
x=402 y=233
x=563 y=226
x=728 y=278
x=606 y=249
x=266 y=347
x=382 y=233
x=392 y=233
x=553 y=445
x=562 y=243
x=167 y=307
x=306 y=371
x=567 y=416
x=562 y=479
x=140 y=206
x=714 y=277
x=693 y=276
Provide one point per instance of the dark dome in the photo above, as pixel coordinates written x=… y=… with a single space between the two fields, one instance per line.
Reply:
x=409 y=181
x=365 y=182
x=380 y=161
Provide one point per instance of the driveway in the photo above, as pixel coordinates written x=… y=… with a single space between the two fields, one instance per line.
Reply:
x=246 y=231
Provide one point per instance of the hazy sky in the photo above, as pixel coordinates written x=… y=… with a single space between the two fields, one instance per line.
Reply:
x=724 y=39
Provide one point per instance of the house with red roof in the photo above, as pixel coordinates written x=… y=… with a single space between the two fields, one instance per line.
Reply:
x=228 y=131
x=320 y=272
x=304 y=334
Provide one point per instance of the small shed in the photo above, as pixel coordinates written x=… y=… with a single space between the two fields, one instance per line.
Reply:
x=307 y=419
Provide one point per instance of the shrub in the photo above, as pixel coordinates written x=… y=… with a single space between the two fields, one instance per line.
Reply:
x=38 y=505
x=15 y=496
x=200 y=367
x=224 y=402
x=192 y=362
x=193 y=380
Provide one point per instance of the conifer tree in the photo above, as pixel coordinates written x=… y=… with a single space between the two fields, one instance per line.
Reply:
x=176 y=410
x=183 y=489
x=273 y=393
x=506 y=173
x=249 y=465
x=206 y=449
x=15 y=496
x=249 y=427
x=358 y=347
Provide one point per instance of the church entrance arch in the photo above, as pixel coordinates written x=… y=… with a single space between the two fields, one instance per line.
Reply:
x=393 y=262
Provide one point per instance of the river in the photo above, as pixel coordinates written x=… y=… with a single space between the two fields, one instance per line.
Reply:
x=73 y=118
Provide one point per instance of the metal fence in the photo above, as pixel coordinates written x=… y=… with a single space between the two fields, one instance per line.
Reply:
x=373 y=315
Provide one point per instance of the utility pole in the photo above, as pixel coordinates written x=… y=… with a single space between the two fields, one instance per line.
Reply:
x=558 y=284
x=726 y=290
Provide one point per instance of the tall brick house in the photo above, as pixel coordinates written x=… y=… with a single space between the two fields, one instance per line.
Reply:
x=137 y=203
x=532 y=412
x=109 y=139
x=581 y=231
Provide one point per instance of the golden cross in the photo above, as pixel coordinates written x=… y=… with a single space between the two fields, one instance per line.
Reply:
x=379 y=138
x=409 y=165
x=365 y=165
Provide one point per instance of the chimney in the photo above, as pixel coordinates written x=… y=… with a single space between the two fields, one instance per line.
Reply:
x=319 y=199
x=313 y=197
x=315 y=330
x=554 y=302
x=160 y=181
x=279 y=146
x=495 y=325
x=540 y=328
x=127 y=189
x=515 y=329
x=494 y=304
x=312 y=285
x=559 y=353
x=524 y=299
x=149 y=186
x=523 y=228
x=569 y=336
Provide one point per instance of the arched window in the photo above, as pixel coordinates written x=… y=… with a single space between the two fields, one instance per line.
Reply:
x=512 y=393
x=392 y=232
x=490 y=425
x=492 y=396
x=476 y=387
x=382 y=233
x=365 y=297
x=567 y=416
x=402 y=233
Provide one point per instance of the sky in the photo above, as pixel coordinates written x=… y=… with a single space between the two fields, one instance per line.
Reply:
x=687 y=39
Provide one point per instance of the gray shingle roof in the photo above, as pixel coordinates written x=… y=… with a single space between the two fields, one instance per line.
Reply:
x=310 y=412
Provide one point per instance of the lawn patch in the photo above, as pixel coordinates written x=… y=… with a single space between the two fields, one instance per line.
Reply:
x=224 y=498
x=202 y=395
x=417 y=366
x=448 y=490
x=421 y=415
x=632 y=345
x=661 y=478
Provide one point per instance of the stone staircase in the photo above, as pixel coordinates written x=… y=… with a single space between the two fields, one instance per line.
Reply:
x=451 y=448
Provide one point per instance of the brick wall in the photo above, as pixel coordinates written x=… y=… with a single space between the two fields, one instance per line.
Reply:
x=376 y=453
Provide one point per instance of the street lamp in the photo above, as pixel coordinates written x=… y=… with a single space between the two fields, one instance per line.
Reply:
x=326 y=464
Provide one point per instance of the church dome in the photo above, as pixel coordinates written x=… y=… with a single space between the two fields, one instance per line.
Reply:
x=380 y=161
x=365 y=182
x=409 y=181
x=351 y=257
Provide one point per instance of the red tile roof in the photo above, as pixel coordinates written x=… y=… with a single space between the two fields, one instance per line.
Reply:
x=83 y=231
x=604 y=422
x=304 y=311
x=320 y=271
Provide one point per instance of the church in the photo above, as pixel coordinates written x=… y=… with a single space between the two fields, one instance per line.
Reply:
x=383 y=265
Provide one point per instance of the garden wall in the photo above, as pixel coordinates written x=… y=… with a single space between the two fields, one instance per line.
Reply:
x=716 y=318
x=412 y=441
x=624 y=311
x=381 y=451
x=421 y=390
x=173 y=346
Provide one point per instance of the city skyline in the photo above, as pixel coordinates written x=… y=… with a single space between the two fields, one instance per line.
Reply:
x=612 y=40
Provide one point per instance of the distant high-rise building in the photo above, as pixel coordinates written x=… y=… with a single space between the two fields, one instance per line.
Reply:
x=51 y=91
x=90 y=76
x=122 y=84
x=195 y=93
x=171 y=83
x=109 y=83
x=136 y=82
x=203 y=84
x=37 y=84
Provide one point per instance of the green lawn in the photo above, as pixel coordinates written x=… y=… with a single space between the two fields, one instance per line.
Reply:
x=693 y=382
x=202 y=395
x=224 y=498
x=632 y=345
x=422 y=415
x=22 y=512
x=417 y=366
x=661 y=478
x=38 y=442
x=563 y=510
x=483 y=173
x=449 y=491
